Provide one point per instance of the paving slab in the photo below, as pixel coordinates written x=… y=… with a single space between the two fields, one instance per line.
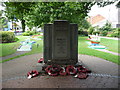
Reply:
x=14 y=74
x=60 y=82
x=98 y=65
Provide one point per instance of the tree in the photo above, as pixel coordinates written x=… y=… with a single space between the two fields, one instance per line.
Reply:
x=3 y=21
x=37 y=14
x=18 y=10
x=84 y=24
x=106 y=27
x=75 y=12
x=90 y=30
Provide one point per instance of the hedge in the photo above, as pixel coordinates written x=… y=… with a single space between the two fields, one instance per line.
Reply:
x=103 y=33
x=28 y=33
x=7 y=36
x=96 y=32
x=84 y=33
x=114 y=35
x=25 y=34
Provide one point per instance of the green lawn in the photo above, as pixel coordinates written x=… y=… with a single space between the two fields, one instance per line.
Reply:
x=83 y=49
x=10 y=48
x=112 y=45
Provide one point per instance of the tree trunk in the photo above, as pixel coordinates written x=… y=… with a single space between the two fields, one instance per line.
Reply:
x=23 y=25
x=12 y=24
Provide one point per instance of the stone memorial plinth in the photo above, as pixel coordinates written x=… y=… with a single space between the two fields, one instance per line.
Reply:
x=61 y=43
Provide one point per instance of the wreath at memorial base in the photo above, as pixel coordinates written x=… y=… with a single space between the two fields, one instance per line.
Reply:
x=78 y=71
x=54 y=70
x=32 y=73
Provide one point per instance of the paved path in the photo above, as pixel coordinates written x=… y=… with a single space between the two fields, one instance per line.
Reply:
x=113 y=38
x=12 y=70
x=13 y=55
x=104 y=50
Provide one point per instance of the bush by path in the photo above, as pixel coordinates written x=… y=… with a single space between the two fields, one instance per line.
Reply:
x=7 y=37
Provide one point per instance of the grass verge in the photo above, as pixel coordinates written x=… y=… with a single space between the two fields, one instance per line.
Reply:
x=112 y=45
x=83 y=49
x=10 y=48
x=36 y=48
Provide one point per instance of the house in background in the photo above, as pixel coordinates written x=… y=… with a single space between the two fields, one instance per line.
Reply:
x=97 y=20
x=113 y=17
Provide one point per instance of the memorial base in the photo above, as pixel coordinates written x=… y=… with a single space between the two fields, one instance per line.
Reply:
x=61 y=62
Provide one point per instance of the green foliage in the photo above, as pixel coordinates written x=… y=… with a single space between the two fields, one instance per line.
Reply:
x=90 y=30
x=7 y=36
x=103 y=33
x=32 y=32
x=3 y=22
x=83 y=24
x=28 y=33
x=25 y=34
x=18 y=10
x=0 y=13
x=106 y=27
x=83 y=33
x=96 y=32
x=16 y=39
x=114 y=33
x=39 y=13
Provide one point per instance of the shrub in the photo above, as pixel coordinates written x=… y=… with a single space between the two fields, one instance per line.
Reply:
x=103 y=33
x=85 y=33
x=7 y=36
x=28 y=31
x=109 y=35
x=16 y=39
x=25 y=34
x=96 y=32
x=32 y=32
x=106 y=27
x=115 y=35
x=90 y=30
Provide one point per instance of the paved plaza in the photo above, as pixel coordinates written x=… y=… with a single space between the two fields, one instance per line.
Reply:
x=104 y=74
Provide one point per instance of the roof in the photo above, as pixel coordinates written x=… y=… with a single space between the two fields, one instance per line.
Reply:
x=95 y=19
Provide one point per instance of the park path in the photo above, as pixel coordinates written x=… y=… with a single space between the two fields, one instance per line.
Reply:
x=107 y=51
x=113 y=38
x=15 y=68
x=104 y=50
x=17 y=53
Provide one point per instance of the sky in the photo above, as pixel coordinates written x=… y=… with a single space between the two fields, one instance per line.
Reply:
x=104 y=11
